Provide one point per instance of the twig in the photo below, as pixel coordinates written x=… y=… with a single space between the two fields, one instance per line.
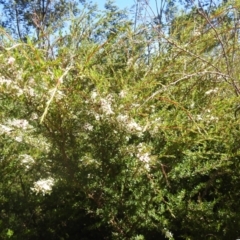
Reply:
x=60 y=80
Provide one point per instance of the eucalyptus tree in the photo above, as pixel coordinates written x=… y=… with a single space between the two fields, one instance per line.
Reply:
x=24 y=17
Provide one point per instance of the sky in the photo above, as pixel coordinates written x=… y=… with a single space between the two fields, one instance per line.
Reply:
x=120 y=3
x=129 y=3
x=126 y=3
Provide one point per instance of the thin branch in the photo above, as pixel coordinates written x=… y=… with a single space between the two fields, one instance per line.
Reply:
x=60 y=80
x=218 y=37
x=18 y=24
x=223 y=48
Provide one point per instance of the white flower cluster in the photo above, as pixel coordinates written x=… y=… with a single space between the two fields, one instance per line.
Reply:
x=5 y=129
x=43 y=186
x=94 y=95
x=197 y=33
x=88 y=127
x=105 y=103
x=122 y=94
x=38 y=142
x=4 y=81
x=208 y=118
x=16 y=129
x=155 y=125
x=11 y=61
x=144 y=156
x=124 y=121
x=199 y=117
x=106 y=106
x=211 y=91
x=19 y=123
x=19 y=138
x=34 y=116
x=11 y=85
x=58 y=95
x=129 y=124
x=168 y=234
x=26 y=160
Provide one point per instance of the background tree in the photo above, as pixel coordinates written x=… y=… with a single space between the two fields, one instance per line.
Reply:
x=23 y=18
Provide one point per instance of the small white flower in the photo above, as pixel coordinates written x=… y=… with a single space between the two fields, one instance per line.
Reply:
x=196 y=33
x=106 y=107
x=199 y=117
x=34 y=116
x=31 y=81
x=19 y=138
x=20 y=91
x=19 y=123
x=147 y=166
x=168 y=234
x=143 y=156
x=133 y=126
x=43 y=186
x=212 y=118
x=88 y=127
x=135 y=105
x=94 y=95
x=11 y=61
x=122 y=94
x=57 y=93
x=152 y=108
x=82 y=76
x=7 y=82
x=122 y=118
x=5 y=129
x=128 y=123
x=192 y=105
x=26 y=159
x=31 y=92
x=211 y=91
x=97 y=116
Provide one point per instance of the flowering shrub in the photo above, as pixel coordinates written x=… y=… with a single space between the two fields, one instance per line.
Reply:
x=118 y=146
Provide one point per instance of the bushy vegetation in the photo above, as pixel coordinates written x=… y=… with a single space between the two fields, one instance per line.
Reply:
x=119 y=129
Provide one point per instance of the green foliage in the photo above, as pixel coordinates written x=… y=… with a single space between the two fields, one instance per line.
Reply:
x=103 y=139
